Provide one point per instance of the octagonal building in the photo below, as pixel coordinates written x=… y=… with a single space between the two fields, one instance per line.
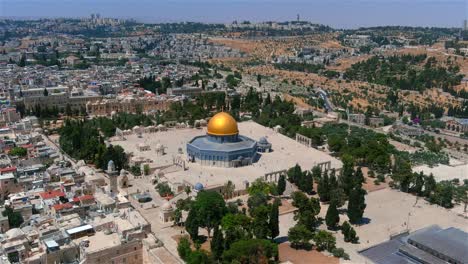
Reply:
x=222 y=146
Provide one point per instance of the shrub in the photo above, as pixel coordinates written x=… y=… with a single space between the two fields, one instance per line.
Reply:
x=340 y=253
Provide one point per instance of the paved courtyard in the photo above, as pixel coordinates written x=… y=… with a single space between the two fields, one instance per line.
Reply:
x=445 y=172
x=286 y=153
x=388 y=212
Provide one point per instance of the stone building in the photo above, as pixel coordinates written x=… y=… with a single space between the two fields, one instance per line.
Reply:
x=128 y=104
x=457 y=125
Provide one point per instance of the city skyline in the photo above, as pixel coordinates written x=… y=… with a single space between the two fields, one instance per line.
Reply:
x=337 y=14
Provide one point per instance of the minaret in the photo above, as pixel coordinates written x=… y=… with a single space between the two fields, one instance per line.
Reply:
x=113 y=174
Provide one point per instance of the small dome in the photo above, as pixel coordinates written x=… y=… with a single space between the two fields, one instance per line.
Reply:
x=167 y=206
x=198 y=187
x=222 y=124
x=263 y=140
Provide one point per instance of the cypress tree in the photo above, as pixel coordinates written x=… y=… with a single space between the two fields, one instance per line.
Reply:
x=356 y=205
x=323 y=188
x=345 y=229
x=316 y=173
x=217 y=243
x=352 y=236
x=346 y=178
x=333 y=183
x=349 y=233
x=281 y=185
x=359 y=177
x=274 y=219
x=307 y=183
x=191 y=225
x=332 y=218
x=419 y=183
x=429 y=185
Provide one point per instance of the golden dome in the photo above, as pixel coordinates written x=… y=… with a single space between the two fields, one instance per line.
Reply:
x=222 y=124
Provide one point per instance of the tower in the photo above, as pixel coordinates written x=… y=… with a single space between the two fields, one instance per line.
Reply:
x=113 y=175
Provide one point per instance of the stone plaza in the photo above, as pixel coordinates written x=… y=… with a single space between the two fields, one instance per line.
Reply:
x=174 y=166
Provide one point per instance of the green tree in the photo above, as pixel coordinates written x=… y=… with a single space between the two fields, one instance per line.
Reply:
x=217 y=243
x=146 y=169
x=418 y=183
x=347 y=175
x=251 y=251
x=68 y=110
x=183 y=248
x=164 y=189
x=18 y=152
x=308 y=210
x=340 y=253
x=236 y=227
x=356 y=205
x=22 y=61
x=177 y=217
x=294 y=174
x=299 y=236
x=359 y=177
x=45 y=92
x=209 y=208
x=323 y=188
x=15 y=219
x=274 y=219
x=443 y=194
x=316 y=173
x=199 y=256
x=429 y=185
x=281 y=184
x=260 y=186
x=461 y=195
x=349 y=233
x=332 y=217
x=403 y=174
x=260 y=224
x=259 y=80
x=324 y=240
x=338 y=196
x=192 y=225
x=256 y=200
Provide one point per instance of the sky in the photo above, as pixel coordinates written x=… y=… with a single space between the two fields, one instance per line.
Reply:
x=335 y=13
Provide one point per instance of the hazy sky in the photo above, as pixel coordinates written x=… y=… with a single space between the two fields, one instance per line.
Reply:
x=336 y=13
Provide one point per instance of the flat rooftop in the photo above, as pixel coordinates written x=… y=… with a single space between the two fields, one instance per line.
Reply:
x=286 y=153
x=100 y=241
x=451 y=242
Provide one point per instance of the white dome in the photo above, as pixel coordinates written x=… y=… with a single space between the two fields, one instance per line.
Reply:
x=166 y=206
